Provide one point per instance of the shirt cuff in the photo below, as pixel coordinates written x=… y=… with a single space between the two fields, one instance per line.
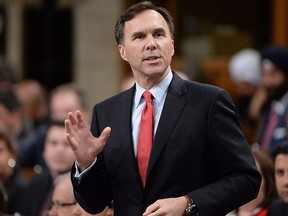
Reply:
x=78 y=175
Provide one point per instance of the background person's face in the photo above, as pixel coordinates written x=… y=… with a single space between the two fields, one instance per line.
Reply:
x=281 y=176
x=273 y=80
x=57 y=152
x=63 y=199
x=62 y=103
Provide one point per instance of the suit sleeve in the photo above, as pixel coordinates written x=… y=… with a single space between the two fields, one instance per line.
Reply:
x=237 y=178
x=93 y=191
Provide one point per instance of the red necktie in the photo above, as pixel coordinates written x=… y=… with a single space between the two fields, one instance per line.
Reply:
x=145 y=138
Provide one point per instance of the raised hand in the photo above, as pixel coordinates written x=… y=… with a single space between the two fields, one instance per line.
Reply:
x=86 y=147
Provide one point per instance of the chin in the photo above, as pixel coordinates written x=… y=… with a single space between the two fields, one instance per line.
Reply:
x=284 y=197
x=156 y=71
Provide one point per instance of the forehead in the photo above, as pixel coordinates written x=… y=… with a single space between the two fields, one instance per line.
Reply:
x=148 y=19
x=56 y=129
x=64 y=191
x=56 y=132
x=281 y=161
x=64 y=99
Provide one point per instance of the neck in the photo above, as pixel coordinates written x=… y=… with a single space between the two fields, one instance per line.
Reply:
x=149 y=81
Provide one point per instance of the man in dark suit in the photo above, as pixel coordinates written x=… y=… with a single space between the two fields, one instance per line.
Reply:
x=200 y=162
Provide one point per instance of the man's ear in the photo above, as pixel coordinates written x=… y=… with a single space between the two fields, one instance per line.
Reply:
x=122 y=52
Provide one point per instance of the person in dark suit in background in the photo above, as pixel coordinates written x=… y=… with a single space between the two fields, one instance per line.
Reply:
x=62 y=98
x=200 y=162
x=10 y=178
x=274 y=111
x=59 y=158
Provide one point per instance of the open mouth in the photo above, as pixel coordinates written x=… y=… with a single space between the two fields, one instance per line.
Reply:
x=151 y=58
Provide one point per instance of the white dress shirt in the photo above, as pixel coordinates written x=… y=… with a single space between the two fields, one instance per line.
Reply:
x=159 y=93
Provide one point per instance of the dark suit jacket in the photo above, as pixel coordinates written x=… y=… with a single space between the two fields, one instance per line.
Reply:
x=198 y=149
x=37 y=192
x=15 y=187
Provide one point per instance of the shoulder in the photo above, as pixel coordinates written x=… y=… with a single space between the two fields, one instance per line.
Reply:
x=205 y=93
x=182 y=86
x=204 y=87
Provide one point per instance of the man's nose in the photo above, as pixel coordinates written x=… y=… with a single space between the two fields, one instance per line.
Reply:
x=151 y=43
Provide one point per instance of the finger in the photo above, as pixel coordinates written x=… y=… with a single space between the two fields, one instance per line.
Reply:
x=71 y=142
x=67 y=126
x=151 y=209
x=69 y=133
x=71 y=118
x=80 y=121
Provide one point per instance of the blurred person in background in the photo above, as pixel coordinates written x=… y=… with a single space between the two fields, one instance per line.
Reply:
x=33 y=97
x=65 y=98
x=64 y=202
x=3 y=200
x=245 y=72
x=7 y=75
x=59 y=158
x=62 y=99
x=280 y=158
x=267 y=193
x=14 y=184
x=12 y=118
x=273 y=127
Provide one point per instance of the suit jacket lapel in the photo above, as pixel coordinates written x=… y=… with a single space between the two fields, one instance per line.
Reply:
x=123 y=115
x=173 y=106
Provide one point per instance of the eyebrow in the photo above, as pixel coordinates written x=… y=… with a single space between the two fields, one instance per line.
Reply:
x=159 y=30
x=156 y=30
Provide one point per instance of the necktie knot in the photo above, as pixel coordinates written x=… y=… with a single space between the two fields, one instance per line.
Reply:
x=147 y=96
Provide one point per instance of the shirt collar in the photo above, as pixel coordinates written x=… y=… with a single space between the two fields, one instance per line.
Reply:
x=158 y=91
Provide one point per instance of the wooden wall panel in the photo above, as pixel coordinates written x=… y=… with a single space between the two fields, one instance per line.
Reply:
x=280 y=22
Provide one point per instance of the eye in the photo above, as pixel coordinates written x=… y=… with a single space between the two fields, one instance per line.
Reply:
x=160 y=34
x=52 y=142
x=279 y=172
x=138 y=36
